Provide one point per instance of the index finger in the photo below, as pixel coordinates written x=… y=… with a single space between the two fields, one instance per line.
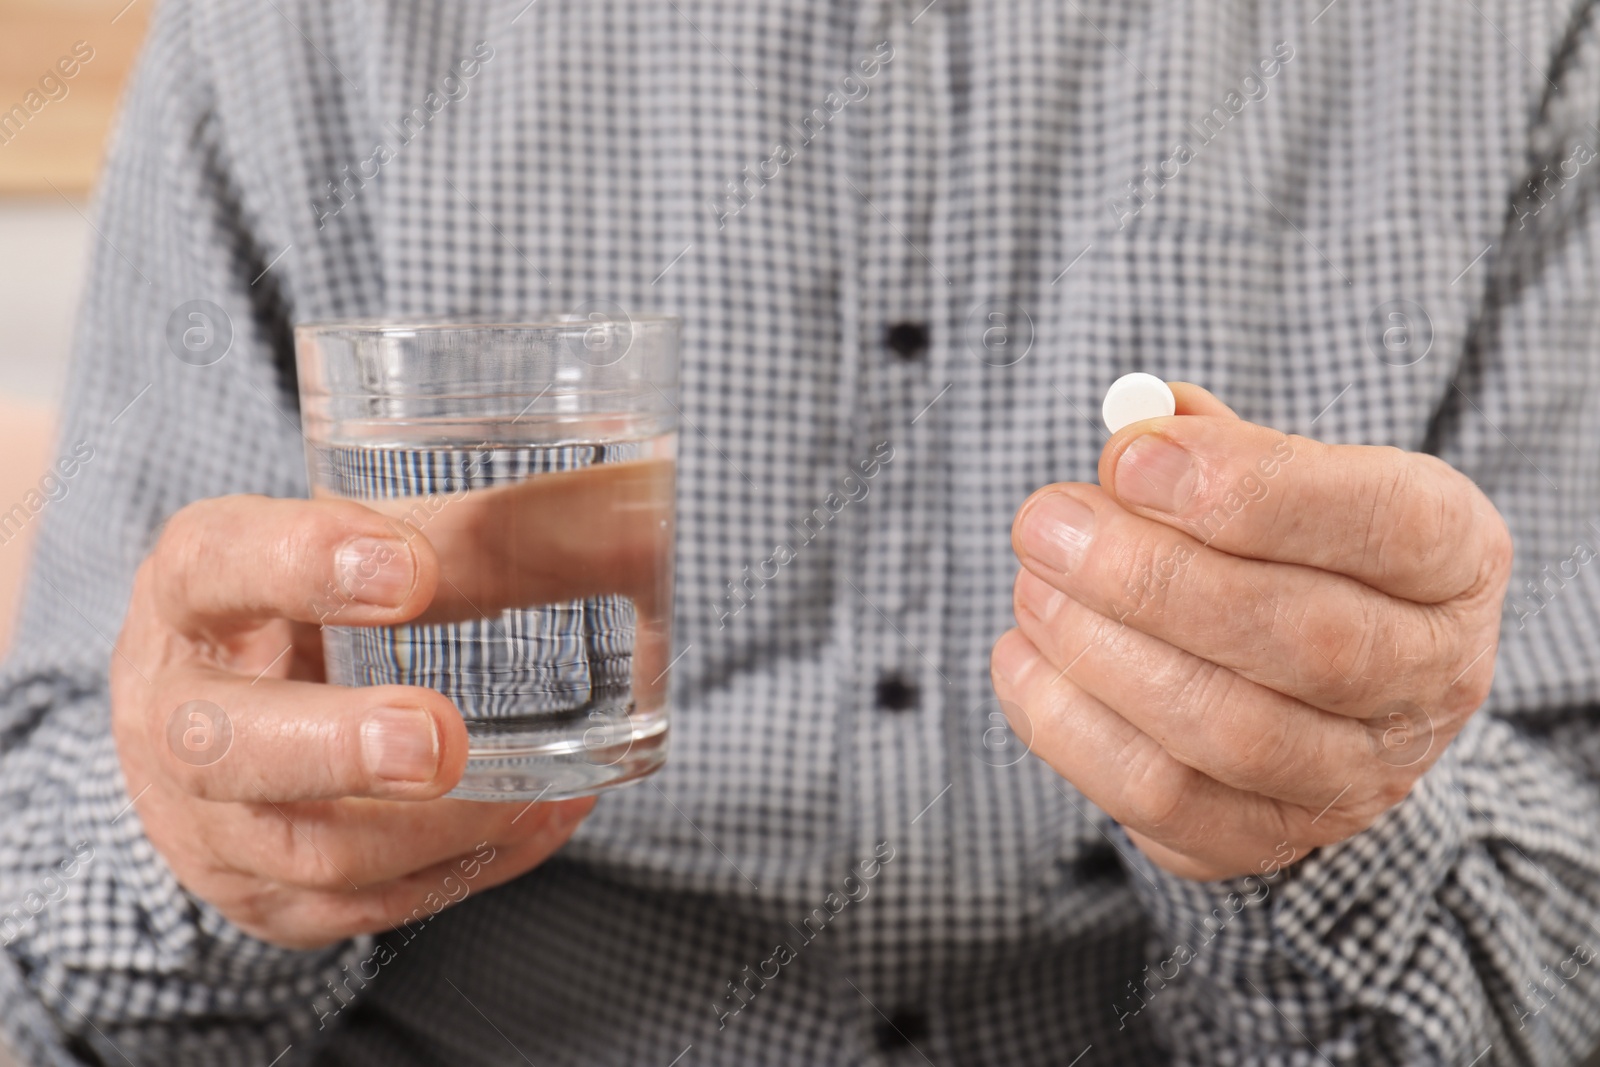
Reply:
x=1404 y=523
x=1191 y=399
x=235 y=560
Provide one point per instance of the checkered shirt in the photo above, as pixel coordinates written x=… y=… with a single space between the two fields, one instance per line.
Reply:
x=1361 y=220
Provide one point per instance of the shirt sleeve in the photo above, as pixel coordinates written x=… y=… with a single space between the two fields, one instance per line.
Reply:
x=107 y=958
x=1456 y=930
x=1460 y=928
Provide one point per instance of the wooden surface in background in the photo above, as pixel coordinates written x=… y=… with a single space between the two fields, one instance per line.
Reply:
x=62 y=144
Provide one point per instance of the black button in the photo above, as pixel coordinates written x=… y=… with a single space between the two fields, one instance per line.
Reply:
x=82 y=1051
x=901 y=1029
x=1099 y=863
x=894 y=693
x=908 y=340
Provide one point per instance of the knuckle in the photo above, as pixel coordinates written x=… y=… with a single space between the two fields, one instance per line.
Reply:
x=1501 y=552
x=177 y=550
x=270 y=845
x=1158 y=788
x=181 y=527
x=318 y=875
x=1270 y=760
x=1343 y=633
x=311 y=865
x=1389 y=791
x=1148 y=568
x=189 y=533
x=315 y=533
x=1438 y=551
x=1153 y=806
x=288 y=918
x=260 y=916
x=1238 y=508
x=1474 y=676
x=194 y=542
x=1450 y=511
x=1246 y=758
x=1196 y=683
x=1496 y=560
x=1257 y=617
x=1270 y=511
x=1389 y=542
x=273 y=840
x=339 y=763
x=1412 y=519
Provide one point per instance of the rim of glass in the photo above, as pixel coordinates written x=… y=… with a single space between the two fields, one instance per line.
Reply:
x=375 y=324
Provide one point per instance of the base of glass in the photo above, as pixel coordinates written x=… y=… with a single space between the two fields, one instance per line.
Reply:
x=507 y=761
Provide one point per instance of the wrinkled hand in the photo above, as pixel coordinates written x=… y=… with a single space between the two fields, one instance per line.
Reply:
x=1248 y=645
x=319 y=812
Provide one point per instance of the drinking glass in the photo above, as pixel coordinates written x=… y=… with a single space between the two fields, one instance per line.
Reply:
x=538 y=459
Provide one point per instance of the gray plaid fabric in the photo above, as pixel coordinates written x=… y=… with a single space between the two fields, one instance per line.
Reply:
x=1366 y=221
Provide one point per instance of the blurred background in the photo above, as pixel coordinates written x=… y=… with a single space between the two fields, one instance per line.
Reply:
x=53 y=133
x=52 y=139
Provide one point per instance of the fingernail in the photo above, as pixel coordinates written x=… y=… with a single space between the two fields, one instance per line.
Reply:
x=400 y=745
x=1056 y=531
x=375 y=570
x=1154 y=473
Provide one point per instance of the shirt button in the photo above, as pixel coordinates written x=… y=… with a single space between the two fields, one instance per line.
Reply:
x=902 y=1029
x=894 y=693
x=908 y=340
x=1097 y=863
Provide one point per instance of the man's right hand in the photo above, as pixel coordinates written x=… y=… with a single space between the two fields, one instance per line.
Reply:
x=323 y=816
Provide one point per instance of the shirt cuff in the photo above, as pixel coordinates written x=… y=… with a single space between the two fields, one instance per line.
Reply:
x=1339 y=928
x=128 y=958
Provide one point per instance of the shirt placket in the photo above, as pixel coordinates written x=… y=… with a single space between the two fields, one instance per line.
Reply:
x=898 y=177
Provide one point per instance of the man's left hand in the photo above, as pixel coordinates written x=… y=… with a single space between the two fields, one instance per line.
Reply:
x=1247 y=645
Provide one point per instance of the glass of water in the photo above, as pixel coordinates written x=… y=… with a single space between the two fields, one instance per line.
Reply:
x=538 y=459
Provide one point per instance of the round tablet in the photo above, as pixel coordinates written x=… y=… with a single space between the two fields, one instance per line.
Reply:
x=1136 y=396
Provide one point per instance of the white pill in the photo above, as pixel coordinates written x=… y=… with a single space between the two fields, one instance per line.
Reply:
x=1136 y=396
